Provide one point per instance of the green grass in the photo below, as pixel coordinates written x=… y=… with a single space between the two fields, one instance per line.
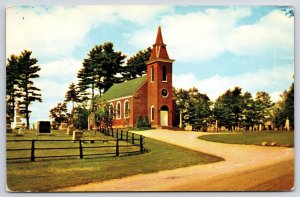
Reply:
x=45 y=175
x=253 y=138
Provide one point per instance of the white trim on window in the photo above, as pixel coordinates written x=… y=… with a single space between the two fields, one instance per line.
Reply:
x=111 y=109
x=152 y=113
x=126 y=114
x=164 y=74
x=152 y=74
x=118 y=112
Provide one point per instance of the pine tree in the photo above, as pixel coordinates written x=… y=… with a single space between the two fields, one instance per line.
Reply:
x=72 y=95
x=136 y=65
x=100 y=70
x=12 y=82
x=27 y=71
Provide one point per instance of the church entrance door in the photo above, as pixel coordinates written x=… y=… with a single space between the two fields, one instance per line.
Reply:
x=164 y=115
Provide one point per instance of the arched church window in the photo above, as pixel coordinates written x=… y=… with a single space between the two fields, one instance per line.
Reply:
x=111 y=109
x=152 y=74
x=164 y=73
x=118 y=110
x=126 y=109
x=152 y=113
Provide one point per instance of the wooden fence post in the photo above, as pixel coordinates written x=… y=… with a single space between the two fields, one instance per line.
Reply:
x=32 y=150
x=80 y=150
x=121 y=134
x=117 y=147
x=126 y=136
x=132 y=138
x=117 y=133
x=141 y=144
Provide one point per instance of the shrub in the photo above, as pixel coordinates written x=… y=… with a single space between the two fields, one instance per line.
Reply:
x=139 y=121
x=146 y=122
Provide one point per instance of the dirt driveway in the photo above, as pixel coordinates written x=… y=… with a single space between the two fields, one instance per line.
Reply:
x=246 y=167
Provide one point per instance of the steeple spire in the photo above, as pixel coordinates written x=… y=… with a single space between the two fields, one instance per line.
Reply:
x=159 y=39
x=159 y=48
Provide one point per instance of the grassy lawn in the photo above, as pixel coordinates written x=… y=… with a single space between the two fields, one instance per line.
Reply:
x=45 y=175
x=254 y=138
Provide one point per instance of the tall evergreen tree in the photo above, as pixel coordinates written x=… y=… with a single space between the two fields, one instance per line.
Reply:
x=72 y=95
x=100 y=70
x=12 y=82
x=136 y=65
x=27 y=70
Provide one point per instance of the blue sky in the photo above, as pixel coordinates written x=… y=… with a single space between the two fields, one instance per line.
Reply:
x=215 y=48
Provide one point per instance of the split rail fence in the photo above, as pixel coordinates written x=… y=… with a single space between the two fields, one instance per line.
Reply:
x=81 y=148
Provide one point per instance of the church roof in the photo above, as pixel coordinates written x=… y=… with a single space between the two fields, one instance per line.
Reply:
x=124 y=89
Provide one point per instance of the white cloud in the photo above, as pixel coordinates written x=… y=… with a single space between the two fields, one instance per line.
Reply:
x=64 y=70
x=201 y=36
x=262 y=80
x=59 y=30
x=273 y=33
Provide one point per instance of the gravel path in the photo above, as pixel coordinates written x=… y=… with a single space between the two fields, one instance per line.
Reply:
x=246 y=167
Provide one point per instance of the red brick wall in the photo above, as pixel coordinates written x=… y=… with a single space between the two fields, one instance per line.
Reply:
x=140 y=101
x=120 y=122
x=154 y=91
x=137 y=106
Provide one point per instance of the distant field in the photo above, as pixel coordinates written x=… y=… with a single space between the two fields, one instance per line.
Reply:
x=45 y=175
x=254 y=138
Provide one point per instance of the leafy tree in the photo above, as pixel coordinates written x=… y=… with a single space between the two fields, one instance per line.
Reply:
x=263 y=106
x=248 y=111
x=199 y=111
x=27 y=71
x=284 y=108
x=228 y=108
x=136 y=65
x=72 y=95
x=12 y=82
x=81 y=117
x=288 y=109
x=100 y=70
x=103 y=116
x=59 y=113
x=194 y=106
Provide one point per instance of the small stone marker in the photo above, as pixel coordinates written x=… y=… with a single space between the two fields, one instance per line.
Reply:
x=264 y=143
x=274 y=144
x=43 y=126
x=77 y=135
x=70 y=130
x=188 y=127
x=21 y=130
x=63 y=126
x=8 y=125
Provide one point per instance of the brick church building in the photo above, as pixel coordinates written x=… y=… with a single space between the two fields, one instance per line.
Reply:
x=149 y=95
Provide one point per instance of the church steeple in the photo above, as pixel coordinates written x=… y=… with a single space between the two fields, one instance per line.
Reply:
x=159 y=38
x=159 y=48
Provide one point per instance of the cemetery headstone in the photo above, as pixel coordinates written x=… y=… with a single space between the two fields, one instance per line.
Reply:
x=21 y=130
x=188 y=127
x=70 y=130
x=77 y=135
x=8 y=125
x=63 y=126
x=43 y=126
